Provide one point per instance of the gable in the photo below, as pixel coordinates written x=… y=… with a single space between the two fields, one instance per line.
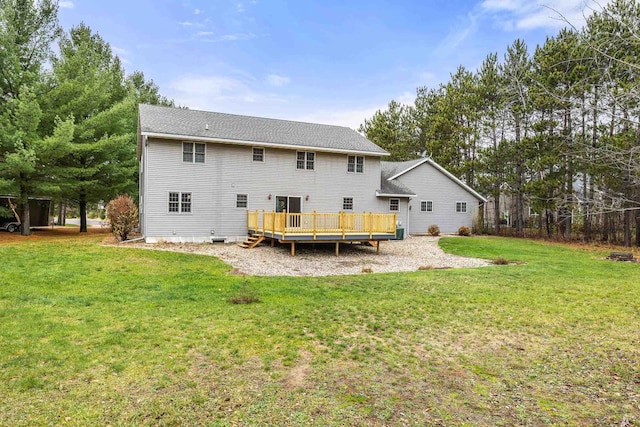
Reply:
x=395 y=170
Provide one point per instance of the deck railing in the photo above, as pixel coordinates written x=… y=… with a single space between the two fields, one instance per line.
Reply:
x=315 y=223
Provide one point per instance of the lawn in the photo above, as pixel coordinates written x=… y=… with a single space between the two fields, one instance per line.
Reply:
x=105 y=335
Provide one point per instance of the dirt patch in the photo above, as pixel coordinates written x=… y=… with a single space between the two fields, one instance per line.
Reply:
x=297 y=376
x=53 y=233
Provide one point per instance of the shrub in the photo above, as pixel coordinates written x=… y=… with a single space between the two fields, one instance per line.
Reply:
x=123 y=216
x=366 y=270
x=433 y=230
x=464 y=231
x=500 y=261
x=245 y=295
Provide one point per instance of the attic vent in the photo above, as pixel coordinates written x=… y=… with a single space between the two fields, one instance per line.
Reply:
x=206 y=127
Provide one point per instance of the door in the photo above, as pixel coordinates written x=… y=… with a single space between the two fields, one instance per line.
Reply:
x=291 y=205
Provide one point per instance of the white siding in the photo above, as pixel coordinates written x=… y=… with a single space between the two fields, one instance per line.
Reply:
x=428 y=183
x=229 y=170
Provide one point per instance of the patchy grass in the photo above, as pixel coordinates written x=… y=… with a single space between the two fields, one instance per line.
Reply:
x=104 y=335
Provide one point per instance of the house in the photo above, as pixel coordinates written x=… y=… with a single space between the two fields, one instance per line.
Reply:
x=204 y=175
x=433 y=196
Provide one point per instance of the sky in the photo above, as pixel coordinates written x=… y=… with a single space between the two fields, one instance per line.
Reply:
x=330 y=61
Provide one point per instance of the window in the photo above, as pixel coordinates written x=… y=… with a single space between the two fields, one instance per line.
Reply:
x=241 y=200
x=174 y=202
x=258 y=154
x=180 y=202
x=305 y=160
x=347 y=203
x=394 y=205
x=355 y=164
x=192 y=152
x=461 y=207
x=426 y=206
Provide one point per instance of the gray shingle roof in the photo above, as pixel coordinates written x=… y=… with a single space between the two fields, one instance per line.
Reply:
x=246 y=129
x=389 y=169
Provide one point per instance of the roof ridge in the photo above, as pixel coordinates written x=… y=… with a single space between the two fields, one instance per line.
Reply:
x=246 y=116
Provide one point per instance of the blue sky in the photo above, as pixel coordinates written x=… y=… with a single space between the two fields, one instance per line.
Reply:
x=329 y=61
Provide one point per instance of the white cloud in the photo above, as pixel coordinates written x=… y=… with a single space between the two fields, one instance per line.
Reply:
x=526 y=14
x=186 y=24
x=66 y=4
x=197 y=12
x=466 y=26
x=221 y=93
x=240 y=8
x=205 y=33
x=122 y=54
x=278 y=81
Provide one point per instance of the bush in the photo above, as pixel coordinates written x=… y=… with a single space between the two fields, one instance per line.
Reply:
x=464 y=231
x=500 y=261
x=433 y=230
x=244 y=295
x=123 y=216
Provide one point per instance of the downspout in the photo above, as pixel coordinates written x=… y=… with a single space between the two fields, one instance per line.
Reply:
x=406 y=233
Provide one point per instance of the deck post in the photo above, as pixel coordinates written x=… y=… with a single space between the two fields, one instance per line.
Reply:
x=342 y=221
x=284 y=223
x=337 y=248
x=315 y=219
x=262 y=221
x=370 y=225
x=378 y=248
x=293 y=248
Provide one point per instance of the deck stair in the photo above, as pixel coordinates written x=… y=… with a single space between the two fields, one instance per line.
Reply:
x=252 y=241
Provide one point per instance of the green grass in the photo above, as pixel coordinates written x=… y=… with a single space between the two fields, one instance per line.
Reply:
x=104 y=335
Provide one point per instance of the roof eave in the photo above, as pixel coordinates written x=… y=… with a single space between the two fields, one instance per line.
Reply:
x=260 y=143
x=379 y=194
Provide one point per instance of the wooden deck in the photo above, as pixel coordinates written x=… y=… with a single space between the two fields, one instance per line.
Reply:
x=317 y=227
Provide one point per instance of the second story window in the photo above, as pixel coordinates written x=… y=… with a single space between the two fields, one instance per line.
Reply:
x=305 y=160
x=355 y=164
x=242 y=200
x=461 y=207
x=192 y=152
x=258 y=154
x=426 y=206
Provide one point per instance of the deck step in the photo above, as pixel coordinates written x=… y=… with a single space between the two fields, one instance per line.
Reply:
x=252 y=241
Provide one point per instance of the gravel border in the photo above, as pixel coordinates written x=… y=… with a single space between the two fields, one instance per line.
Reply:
x=411 y=254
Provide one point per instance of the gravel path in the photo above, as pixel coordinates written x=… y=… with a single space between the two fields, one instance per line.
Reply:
x=411 y=254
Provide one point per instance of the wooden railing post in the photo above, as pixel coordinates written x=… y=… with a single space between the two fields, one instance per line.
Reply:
x=315 y=224
x=370 y=225
x=284 y=223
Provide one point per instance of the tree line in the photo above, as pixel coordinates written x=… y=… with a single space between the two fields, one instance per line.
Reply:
x=556 y=130
x=68 y=119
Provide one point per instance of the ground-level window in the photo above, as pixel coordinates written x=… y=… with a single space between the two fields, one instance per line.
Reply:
x=241 y=200
x=192 y=152
x=355 y=164
x=461 y=207
x=347 y=203
x=179 y=202
x=394 y=205
x=305 y=160
x=258 y=154
x=426 y=206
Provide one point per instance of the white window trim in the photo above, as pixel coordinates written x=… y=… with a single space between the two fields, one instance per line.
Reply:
x=355 y=164
x=193 y=153
x=394 y=210
x=306 y=160
x=466 y=209
x=180 y=193
x=247 y=201
x=426 y=206
x=353 y=203
x=264 y=155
